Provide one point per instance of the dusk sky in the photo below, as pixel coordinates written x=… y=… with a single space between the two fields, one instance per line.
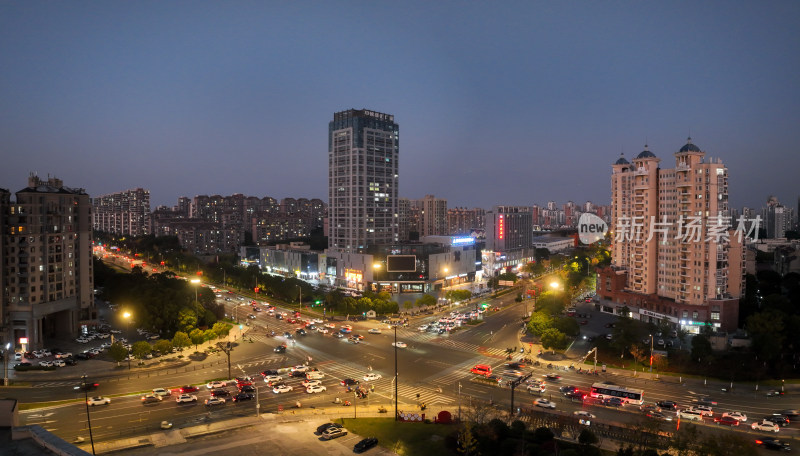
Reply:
x=511 y=103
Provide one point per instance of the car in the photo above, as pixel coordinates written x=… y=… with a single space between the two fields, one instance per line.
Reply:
x=268 y=372
x=220 y=393
x=739 y=416
x=727 y=421
x=773 y=444
x=247 y=389
x=46 y=363
x=98 y=400
x=567 y=389
x=353 y=340
x=349 y=382
x=774 y=393
x=690 y=415
x=399 y=344
x=646 y=408
x=161 y=392
x=767 y=426
x=316 y=389
x=211 y=401
x=515 y=366
x=59 y=363
x=188 y=389
x=669 y=405
x=215 y=384
x=315 y=375
x=338 y=335
x=323 y=427
x=300 y=368
x=307 y=383
x=281 y=389
x=371 y=377
x=422 y=328
x=613 y=402
x=778 y=419
x=300 y=331
x=297 y=374
x=544 y=403
x=583 y=413
x=333 y=432
x=269 y=379
x=706 y=401
x=791 y=413
x=703 y=410
x=551 y=376
x=151 y=399
x=243 y=397
x=70 y=361
x=374 y=331
x=658 y=416
x=536 y=387
x=185 y=398
x=365 y=444
x=575 y=395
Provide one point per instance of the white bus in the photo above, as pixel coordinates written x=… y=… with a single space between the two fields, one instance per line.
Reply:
x=607 y=390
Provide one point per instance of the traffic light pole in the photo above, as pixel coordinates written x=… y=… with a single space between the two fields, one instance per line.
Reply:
x=514 y=385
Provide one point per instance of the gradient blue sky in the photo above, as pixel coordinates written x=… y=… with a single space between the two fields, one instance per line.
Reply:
x=497 y=102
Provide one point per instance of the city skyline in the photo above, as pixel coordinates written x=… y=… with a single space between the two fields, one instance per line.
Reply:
x=201 y=98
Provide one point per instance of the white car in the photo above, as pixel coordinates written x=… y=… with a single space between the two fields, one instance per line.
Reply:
x=46 y=363
x=307 y=383
x=300 y=368
x=423 y=328
x=736 y=416
x=99 y=400
x=583 y=414
x=216 y=384
x=315 y=375
x=272 y=378
x=214 y=401
x=399 y=344
x=315 y=389
x=374 y=331
x=63 y=355
x=330 y=326
x=765 y=426
x=702 y=410
x=59 y=363
x=161 y=392
x=323 y=330
x=17 y=356
x=317 y=321
x=281 y=389
x=372 y=377
x=186 y=398
x=544 y=403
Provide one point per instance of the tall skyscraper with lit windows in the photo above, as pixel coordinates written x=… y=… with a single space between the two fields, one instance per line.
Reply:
x=363 y=149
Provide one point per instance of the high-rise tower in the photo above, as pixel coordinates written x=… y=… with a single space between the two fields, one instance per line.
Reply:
x=363 y=149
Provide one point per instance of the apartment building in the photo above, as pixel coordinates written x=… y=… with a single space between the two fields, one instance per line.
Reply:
x=124 y=213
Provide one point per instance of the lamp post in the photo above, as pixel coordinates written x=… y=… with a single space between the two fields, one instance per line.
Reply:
x=196 y=283
x=85 y=387
x=459 y=402
x=300 y=299
x=5 y=364
x=127 y=317
x=224 y=276
x=395 y=372
x=651 y=353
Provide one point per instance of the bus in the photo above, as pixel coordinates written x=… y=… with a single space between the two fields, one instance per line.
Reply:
x=607 y=390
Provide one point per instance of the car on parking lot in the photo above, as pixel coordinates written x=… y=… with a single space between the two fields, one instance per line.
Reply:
x=46 y=363
x=365 y=444
x=281 y=389
x=767 y=426
x=184 y=398
x=151 y=399
x=773 y=444
x=323 y=427
x=98 y=400
x=59 y=363
x=214 y=401
x=333 y=432
x=316 y=389
x=544 y=403
x=371 y=377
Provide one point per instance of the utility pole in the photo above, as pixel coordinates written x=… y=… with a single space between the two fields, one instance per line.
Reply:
x=459 y=402
x=226 y=348
x=85 y=387
x=395 y=372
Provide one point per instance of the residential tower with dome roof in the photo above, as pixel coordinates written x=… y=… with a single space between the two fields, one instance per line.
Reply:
x=675 y=256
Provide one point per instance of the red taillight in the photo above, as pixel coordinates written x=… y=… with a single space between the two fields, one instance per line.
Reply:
x=759 y=442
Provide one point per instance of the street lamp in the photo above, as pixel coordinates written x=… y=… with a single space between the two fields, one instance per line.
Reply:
x=224 y=281
x=651 y=353
x=127 y=317
x=85 y=387
x=395 y=372
x=196 y=283
x=5 y=364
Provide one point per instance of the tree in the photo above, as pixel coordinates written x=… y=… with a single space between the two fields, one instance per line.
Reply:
x=767 y=330
x=408 y=305
x=568 y=326
x=539 y=323
x=701 y=347
x=554 y=339
x=426 y=300
x=209 y=335
x=587 y=437
x=222 y=329
x=118 y=352
x=467 y=445
x=187 y=319
x=164 y=346
x=141 y=349
x=197 y=337
x=181 y=340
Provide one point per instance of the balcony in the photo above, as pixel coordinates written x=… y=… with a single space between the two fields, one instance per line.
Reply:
x=641 y=172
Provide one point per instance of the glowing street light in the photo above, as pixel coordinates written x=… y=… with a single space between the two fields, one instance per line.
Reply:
x=127 y=317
